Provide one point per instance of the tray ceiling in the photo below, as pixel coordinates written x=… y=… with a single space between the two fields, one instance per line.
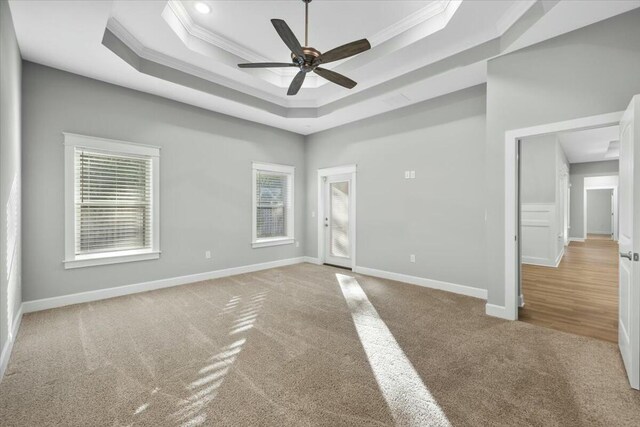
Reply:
x=420 y=49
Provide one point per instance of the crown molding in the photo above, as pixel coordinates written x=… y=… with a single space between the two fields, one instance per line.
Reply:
x=210 y=37
x=426 y=13
x=144 y=52
x=205 y=42
x=192 y=29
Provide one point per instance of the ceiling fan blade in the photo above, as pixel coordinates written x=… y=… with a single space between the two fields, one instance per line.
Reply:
x=296 y=84
x=266 y=65
x=344 y=51
x=336 y=78
x=288 y=37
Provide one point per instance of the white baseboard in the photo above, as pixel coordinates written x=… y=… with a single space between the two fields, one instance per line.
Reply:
x=428 y=283
x=521 y=301
x=544 y=262
x=8 y=346
x=61 y=301
x=312 y=260
x=559 y=258
x=498 y=311
x=576 y=239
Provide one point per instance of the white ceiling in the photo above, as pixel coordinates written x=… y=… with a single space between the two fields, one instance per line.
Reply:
x=327 y=29
x=591 y=145
x=420 y=49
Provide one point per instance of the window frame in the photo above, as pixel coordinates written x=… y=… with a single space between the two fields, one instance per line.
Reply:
x=108 y=146
x=289 y=171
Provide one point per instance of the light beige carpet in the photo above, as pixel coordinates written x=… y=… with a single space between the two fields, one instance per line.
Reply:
x=305 y=345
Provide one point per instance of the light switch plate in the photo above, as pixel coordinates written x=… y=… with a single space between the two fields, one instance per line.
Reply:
x=413 y=174
x=407 y=174
x=207 y=254
x=412 y=258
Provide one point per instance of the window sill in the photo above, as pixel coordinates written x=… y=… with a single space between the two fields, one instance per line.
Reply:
x=262 y=243
x=109 y=258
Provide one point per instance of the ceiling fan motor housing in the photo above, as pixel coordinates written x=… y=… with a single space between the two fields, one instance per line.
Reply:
x=310 y=55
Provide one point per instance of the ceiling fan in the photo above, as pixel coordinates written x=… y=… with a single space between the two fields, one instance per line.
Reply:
x=308 y=59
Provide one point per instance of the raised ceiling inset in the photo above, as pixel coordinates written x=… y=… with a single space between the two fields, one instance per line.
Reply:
x=207 y=41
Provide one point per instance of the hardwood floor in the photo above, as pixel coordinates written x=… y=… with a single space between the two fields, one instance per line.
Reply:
x=580 y=296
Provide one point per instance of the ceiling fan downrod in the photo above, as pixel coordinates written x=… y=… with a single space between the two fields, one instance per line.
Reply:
x=306 y=22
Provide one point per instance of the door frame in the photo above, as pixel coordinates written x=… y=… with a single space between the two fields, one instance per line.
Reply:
x=604 y=185
x=511 y=233
x=337 y=170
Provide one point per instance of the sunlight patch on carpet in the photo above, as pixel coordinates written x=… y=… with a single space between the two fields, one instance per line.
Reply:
x=211 y=376
x=408 y=399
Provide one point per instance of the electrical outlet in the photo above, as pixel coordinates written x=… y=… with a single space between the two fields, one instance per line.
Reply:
x=297 y=244
x=407 y=174
x=207 y=254
x=313 y=214
x=412 y=258
x=413 y=174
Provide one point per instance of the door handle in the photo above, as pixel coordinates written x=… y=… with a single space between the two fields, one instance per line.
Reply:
x=628 y=255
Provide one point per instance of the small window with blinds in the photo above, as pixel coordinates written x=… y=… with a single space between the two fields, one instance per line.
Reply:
x=113 y=187
x=272 y=204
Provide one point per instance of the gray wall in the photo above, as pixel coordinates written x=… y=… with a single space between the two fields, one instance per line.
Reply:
x=205 y=199
x=578 y=172
x=439 y=215
x=593 y=70
x=10 y=146
x=538 y=169
x=205 y=180
x=599 y=211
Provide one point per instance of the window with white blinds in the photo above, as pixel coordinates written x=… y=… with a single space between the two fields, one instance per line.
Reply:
x=111 y=201
x=272 y=204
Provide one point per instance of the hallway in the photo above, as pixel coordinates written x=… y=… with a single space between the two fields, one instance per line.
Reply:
x=580 y=296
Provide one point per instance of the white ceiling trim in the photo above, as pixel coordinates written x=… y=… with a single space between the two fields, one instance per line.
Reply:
x=175 y=9
x=144 y=52
x=431 y=11
x=180 y=12
x=205 y=42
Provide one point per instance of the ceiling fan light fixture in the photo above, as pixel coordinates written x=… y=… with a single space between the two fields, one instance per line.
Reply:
x=202 y=7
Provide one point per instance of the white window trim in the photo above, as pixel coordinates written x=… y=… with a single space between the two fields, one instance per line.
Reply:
x=71 y=141
x=273 y=241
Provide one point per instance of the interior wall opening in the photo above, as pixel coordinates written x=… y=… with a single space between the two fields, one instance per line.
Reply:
x=567 y=220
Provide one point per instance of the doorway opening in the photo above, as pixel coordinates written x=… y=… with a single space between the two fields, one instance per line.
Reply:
x=569 y=254
x=600 y=207
x=569 y=257
x=628 y=228
x=337 y=216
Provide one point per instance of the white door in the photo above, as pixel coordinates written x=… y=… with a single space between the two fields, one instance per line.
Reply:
x=565 y=209
x=629 y=242
x=613 y=225
x=337 y=220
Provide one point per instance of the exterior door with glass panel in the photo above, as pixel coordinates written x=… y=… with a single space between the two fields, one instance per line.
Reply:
x=337 y=221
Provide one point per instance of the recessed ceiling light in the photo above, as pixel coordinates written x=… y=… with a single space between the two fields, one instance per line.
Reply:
x=202 y=7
